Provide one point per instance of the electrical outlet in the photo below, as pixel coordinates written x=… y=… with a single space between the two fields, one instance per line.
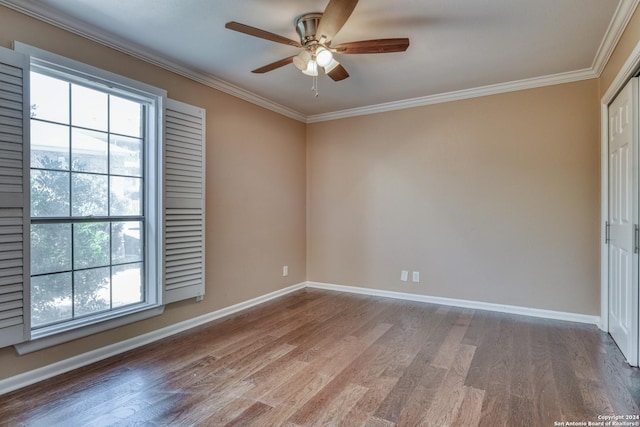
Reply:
x=285 y=270
x=416 y=277
x=404 y=275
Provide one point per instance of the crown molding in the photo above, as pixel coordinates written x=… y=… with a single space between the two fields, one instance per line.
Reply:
x=458 y=95
x=50 y=16
x=618 y=23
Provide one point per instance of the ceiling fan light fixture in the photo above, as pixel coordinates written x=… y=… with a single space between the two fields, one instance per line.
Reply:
x=323 y=56
x=312 y=68
x=331 y=65
x=301 y=60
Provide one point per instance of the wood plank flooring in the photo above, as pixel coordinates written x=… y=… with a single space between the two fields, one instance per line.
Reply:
x=326 y=358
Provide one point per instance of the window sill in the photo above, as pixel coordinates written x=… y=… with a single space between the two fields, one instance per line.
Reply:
x=42 y=342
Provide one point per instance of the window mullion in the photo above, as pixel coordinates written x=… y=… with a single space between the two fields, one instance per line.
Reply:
x=73 y=275
x=109 y=201
x=81 y=219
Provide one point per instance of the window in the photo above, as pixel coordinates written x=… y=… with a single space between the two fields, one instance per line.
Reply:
x=88 y=216
x=90 y=151
x=101 y=199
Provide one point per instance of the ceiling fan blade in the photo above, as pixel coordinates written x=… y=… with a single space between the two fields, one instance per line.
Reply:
x=334 y=17
x=256 y=32
x=274 y=65
x=337 y=73
x=373 y=46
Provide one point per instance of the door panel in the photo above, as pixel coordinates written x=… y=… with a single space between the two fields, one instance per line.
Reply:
x=623 y=199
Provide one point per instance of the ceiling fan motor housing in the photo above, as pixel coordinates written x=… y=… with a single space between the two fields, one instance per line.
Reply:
x=307 y=26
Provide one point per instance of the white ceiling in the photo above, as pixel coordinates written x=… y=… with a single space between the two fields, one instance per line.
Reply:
x=456 y=45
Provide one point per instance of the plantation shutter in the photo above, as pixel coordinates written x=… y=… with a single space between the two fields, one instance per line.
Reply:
x=184 y=209
x=14 y=198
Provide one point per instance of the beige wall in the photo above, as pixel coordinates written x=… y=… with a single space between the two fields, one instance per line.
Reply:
x=491 y=199
x=255 y=190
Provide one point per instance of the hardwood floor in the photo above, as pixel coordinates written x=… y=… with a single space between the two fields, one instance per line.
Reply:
x=325 y=358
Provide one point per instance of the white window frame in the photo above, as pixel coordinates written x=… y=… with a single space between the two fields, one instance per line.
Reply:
x=155 y=100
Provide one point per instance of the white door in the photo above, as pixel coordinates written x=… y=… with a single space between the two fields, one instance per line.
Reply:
x=623 y=213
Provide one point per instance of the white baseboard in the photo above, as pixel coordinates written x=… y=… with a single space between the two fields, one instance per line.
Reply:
x=22 y=380
x=501 y=308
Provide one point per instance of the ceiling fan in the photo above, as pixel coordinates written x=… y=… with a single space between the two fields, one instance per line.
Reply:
x=316 y=31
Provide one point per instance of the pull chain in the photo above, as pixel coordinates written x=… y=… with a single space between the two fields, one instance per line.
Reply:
x=314 y=86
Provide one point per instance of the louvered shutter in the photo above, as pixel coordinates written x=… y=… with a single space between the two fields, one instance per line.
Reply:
x=14 y=198
x=184 y=209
